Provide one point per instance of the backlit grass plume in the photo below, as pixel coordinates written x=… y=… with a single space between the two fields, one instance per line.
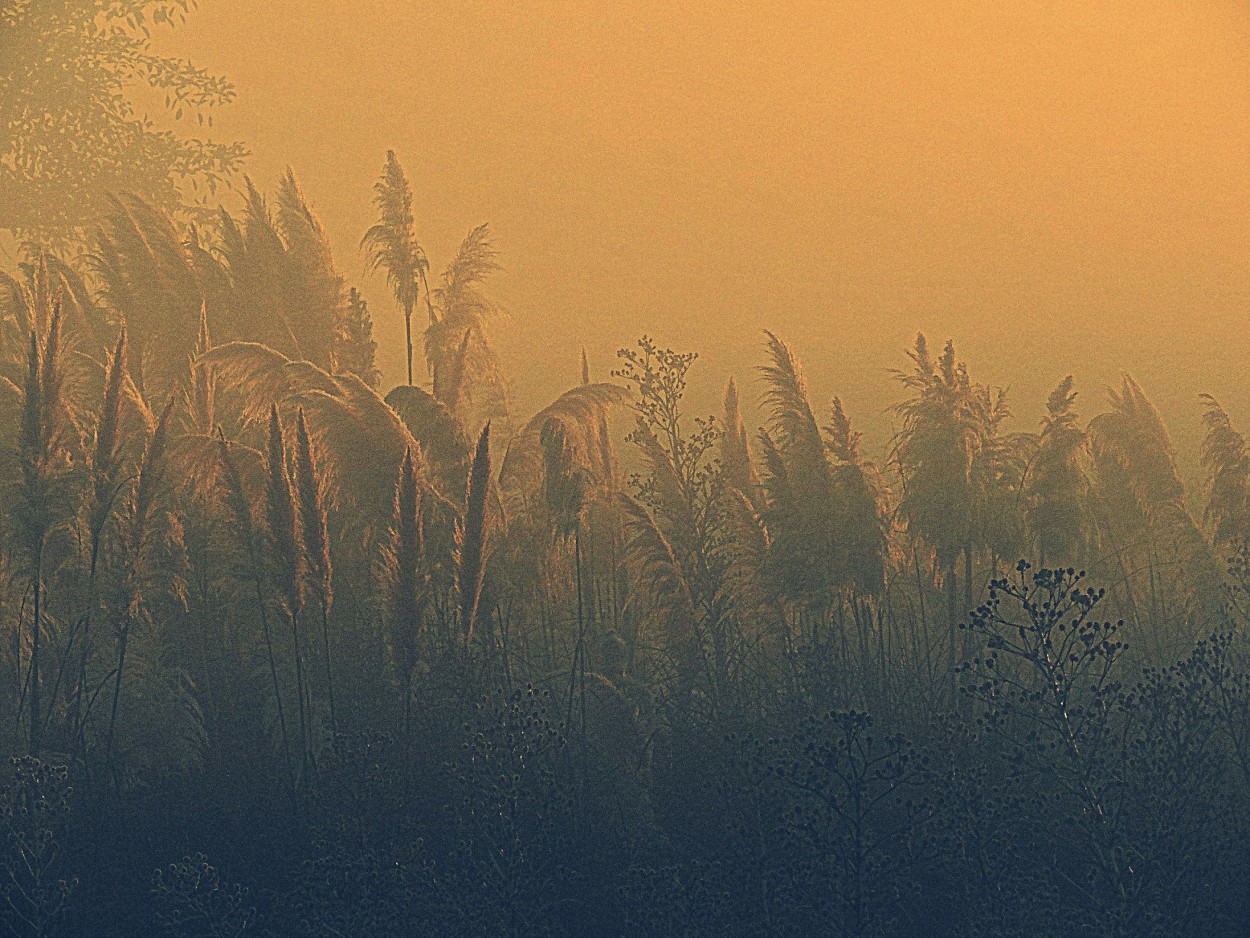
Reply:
x=667 y=608
x=1227 y=465
x=463 y=364
x=434 y=426
x=735 y=451
x=391 y=245
x=1058 y=487
x=581 y=413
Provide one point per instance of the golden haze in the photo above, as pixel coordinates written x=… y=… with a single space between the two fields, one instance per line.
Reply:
x=1059 y=186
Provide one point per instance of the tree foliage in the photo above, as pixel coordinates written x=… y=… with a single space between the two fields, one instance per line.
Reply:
x=71 y=131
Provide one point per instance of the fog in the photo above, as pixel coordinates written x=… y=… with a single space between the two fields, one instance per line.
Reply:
x=1058 y=186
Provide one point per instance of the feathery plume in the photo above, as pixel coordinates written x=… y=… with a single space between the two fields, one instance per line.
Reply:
x=391 y=245
x=1227 y=464
x=736 y=462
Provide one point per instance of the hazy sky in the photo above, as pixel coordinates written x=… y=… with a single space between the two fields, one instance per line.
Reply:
x=1059 y=186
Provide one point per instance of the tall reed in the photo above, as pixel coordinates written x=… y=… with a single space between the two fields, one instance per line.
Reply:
x=285 y=564
x=314 y=525
x=105 y=469
x=143 y=508
x=473 y=539
x=240 y=511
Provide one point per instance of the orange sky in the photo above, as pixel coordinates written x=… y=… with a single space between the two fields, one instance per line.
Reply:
x=1059 y=186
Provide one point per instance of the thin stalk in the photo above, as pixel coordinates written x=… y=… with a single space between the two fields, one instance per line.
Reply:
x=579 y=647
x=325 y=642
x=36 y=726
x=408 y=337
x=273 y=673
x=305 y=740
x=123 y=639
x=952 y=604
